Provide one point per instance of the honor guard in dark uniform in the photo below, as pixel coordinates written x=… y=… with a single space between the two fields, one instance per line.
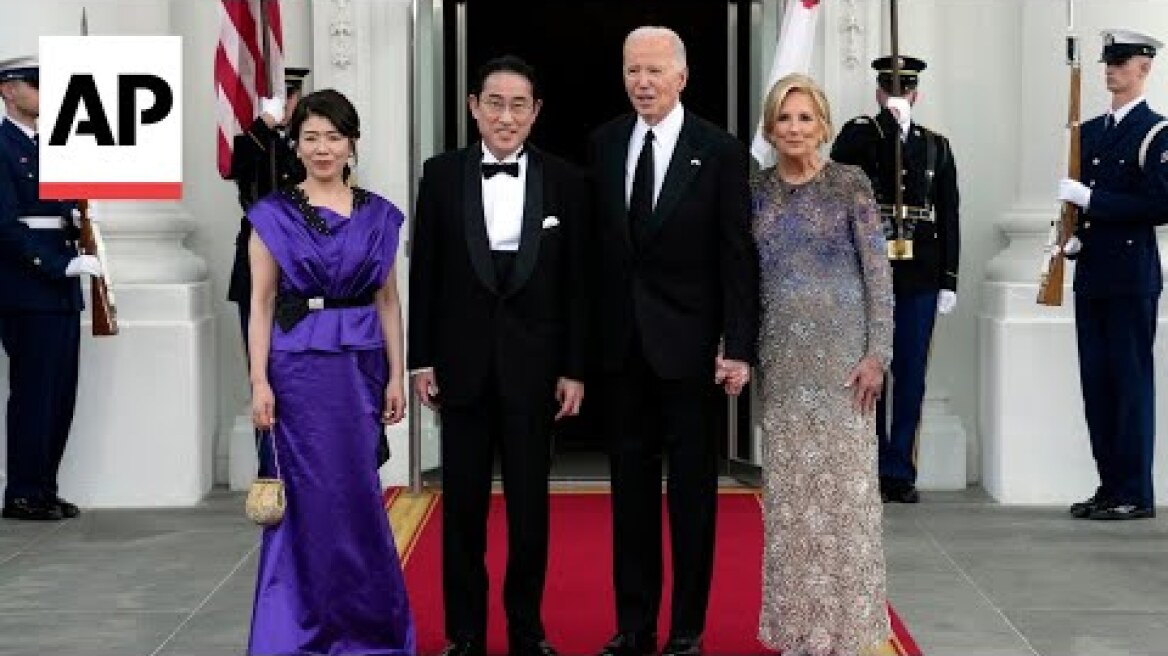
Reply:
x=1123 y=195
x=262 y=161
x=40 y=306
x=923 y=248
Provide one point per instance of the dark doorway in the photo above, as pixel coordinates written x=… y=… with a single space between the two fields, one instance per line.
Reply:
x=575 y=47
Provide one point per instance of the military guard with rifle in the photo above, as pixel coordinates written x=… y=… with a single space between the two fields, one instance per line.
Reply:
x=262 y=161
x=1123 y=195
x=915 y=181
x=40 y=305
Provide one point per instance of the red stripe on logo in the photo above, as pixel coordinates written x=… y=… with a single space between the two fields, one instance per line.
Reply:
x=111 y=190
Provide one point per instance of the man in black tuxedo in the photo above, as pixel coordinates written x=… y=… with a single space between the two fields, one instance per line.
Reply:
x=677 y=312
x=496 y=341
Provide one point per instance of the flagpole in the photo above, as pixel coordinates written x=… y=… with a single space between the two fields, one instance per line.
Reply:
x=267 y=50
x=103 y=310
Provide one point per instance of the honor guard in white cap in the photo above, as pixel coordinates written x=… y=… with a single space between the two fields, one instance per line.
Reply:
x=40 y=305
x=1122 y=196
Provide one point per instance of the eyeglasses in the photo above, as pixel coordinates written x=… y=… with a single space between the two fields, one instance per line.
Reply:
x=521 y=108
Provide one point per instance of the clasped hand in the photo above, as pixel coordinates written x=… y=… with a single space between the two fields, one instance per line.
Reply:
x=732 y=375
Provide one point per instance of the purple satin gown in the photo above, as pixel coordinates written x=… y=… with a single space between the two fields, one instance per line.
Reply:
x=330 y=581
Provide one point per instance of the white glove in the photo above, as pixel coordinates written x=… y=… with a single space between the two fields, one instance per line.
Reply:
x=83 y=264
x=94 y=215
x=902 y=111
x=273 y=108
x=946 y=301
x=1073 y=191
x=1073 y=246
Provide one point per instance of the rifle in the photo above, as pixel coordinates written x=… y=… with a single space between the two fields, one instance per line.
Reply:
x=899 y=248
x=1050 y=282
x=105 y=313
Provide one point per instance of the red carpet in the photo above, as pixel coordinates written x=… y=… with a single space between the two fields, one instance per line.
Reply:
x=578 y=602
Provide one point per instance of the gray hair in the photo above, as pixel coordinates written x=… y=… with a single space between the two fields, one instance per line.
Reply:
x=656 y=32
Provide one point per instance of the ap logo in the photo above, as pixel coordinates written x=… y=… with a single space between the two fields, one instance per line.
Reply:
x=112 y=107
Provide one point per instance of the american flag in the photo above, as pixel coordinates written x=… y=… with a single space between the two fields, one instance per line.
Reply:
x=239 y=68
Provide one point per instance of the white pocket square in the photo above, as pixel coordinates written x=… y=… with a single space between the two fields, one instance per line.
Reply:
x=550 y=222
x=695 y=162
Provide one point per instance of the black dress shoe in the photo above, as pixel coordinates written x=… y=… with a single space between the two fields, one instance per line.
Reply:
x=30 y=509
x=1121 y=511
x=884 y=489
x=530 y=648
x=1082 y=509
x=630 y=644
x=465 y=648
x=682 y=647
x=902 y=492
x=68 y=510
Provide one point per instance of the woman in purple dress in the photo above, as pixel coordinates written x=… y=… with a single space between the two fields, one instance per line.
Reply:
x=325 y=342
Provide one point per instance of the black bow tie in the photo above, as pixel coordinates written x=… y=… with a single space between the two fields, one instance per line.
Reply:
x=510 y=168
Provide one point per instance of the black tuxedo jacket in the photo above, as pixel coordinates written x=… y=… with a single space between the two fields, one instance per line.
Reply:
x=530 y=330
x=690 y=278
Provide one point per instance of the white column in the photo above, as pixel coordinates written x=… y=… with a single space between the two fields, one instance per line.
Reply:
x=1035 y=443
x=144 y=429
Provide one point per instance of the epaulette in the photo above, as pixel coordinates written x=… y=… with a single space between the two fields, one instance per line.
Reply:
x=926 y=130
x=868 y=120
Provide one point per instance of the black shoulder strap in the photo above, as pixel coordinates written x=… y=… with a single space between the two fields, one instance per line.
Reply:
x=876 y=124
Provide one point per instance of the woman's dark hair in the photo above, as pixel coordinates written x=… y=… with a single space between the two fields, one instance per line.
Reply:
x=506 y=64
x=328 y=104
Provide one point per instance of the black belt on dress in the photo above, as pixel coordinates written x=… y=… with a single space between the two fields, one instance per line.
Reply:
x=291 y=308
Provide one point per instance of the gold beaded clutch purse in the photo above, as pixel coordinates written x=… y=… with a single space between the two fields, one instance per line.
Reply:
x=265 y=503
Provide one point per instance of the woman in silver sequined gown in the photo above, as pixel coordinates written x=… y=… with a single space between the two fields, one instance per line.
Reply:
x=826 y=338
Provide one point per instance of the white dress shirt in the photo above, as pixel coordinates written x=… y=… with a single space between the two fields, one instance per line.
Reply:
x=665 y=135
x=503 y=197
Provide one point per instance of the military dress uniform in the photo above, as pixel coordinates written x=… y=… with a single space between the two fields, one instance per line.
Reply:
x=930 y=193
x=259 y=157
x=1117 y=288
x=39 y=323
